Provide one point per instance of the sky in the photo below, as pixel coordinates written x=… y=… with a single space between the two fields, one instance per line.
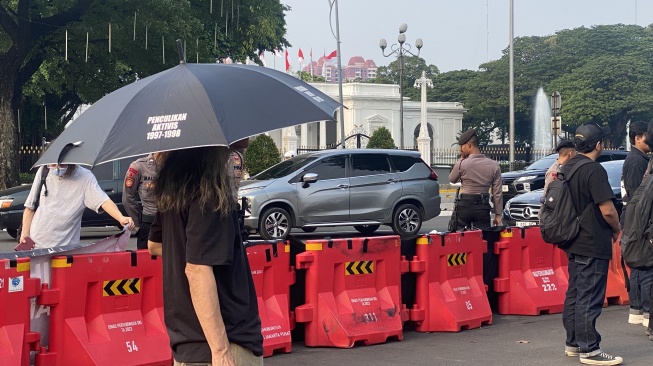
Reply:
x=457 y=34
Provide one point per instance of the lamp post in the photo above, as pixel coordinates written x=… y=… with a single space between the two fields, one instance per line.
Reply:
x=556 y=103
x=400 y=50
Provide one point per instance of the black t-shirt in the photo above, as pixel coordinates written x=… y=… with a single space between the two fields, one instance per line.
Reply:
x=205 y=238
x=633 y=170
x=590 y=186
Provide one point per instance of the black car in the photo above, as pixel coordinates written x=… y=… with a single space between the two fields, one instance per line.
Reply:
x=532 y=178
x=524 y=209
x=110 y=177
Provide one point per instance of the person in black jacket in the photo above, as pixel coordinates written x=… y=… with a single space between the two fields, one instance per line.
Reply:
x=631 y=177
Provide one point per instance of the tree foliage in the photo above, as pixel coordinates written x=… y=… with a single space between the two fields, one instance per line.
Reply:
x=36 y=76
x=604 y=74
x=261 y=154
x=381 y=139
x=413 y=67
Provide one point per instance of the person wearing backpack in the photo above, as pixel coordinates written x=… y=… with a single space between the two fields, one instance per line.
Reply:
x=631 y=177
x=589 y=253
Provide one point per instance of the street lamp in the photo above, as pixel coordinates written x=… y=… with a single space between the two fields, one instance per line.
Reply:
x=556 y=103
x=400 y=50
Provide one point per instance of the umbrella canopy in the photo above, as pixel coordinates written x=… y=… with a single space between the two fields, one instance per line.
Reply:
x=190 y=105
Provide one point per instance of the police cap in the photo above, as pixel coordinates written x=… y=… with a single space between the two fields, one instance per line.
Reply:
x=564 y=143
x=466 y=136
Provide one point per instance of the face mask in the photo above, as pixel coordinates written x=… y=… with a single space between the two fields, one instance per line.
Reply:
x=58 y=171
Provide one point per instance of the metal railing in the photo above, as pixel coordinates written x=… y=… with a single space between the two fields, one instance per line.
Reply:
x=27 y=156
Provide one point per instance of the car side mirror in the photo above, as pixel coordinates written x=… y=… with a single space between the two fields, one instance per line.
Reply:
x=309 y=178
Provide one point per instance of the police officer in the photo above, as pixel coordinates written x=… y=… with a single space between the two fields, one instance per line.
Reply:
x=478 y=174
x=139 y=184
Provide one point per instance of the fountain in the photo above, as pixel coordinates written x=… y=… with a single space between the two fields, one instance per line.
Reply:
x=542 y=121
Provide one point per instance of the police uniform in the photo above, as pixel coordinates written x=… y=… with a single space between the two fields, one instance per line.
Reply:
x=477 y=174
x=139 y=183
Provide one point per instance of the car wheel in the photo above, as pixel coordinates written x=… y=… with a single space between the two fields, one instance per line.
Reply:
x=407 y=220
x=13 y=233
x=366 y=229
x=309 y=229
x=275 y=223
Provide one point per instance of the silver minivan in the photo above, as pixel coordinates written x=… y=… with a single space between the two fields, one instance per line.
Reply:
x=363 y=188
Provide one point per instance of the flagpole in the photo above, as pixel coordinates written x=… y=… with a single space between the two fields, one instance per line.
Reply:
x=340 y=110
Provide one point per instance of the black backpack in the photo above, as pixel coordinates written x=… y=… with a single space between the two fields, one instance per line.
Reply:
x=637 y=235
x=559 y=219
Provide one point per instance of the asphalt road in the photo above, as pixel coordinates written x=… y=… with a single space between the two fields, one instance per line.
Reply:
x=510 y=340
x=91 y=235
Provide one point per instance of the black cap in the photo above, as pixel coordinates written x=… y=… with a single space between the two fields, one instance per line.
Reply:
x=464 y=138
x=564 y=143
x=591 y=132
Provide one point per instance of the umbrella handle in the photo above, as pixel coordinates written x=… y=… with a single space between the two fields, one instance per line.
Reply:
x=180 y=51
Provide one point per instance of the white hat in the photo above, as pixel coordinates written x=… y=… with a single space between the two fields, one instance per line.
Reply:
x=289 y=154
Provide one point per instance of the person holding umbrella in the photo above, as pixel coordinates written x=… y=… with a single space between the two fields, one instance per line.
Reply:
x=68 y=190
x=210 y=304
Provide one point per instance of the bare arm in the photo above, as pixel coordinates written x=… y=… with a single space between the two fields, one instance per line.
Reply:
x=611 y=217
x=155 y=248
x=204 y=294
x=114 y=212
x=28 y=216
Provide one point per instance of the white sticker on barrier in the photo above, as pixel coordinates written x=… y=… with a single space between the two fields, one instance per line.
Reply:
x=16 y=284
x=543 y=272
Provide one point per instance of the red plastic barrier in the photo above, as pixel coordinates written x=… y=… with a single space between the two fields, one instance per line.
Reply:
x=273 y=275
x=616 y=292
x=353 y=291
x=450 y=294
x=532 y=277
x=16 y=289
x=106 y=309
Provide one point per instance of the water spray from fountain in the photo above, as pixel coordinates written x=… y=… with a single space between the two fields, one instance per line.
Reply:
x=542 y=121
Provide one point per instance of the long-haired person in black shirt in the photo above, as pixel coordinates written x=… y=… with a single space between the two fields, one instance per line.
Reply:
x=210 y=306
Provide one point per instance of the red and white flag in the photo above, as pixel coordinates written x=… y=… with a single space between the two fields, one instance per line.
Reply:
x=287 y=61
x=311 y=55
x=277 y=53
x=300 y=56
x=331 y=58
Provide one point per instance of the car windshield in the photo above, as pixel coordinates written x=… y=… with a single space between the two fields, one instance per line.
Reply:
x=284 y=168
x=543 y=164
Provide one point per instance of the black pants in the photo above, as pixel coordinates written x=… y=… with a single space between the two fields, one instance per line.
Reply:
x=142 y=235
x=473 y=214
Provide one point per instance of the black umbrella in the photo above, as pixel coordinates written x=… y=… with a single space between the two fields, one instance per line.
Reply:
x=190 y=105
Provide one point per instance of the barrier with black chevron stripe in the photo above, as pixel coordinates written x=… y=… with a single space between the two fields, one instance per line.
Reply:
x=106 y=309
x=450 y=294
x=353 y=291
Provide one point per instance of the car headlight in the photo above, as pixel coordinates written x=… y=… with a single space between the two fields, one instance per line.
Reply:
x=6 y=202
x=506 y=209
x=528 y=177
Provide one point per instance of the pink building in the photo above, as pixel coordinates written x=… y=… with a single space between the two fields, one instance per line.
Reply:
x=356 y=69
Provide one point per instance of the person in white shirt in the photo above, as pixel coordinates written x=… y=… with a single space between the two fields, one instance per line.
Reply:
x=68 y=190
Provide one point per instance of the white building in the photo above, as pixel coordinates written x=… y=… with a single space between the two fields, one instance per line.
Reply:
x=369 y=107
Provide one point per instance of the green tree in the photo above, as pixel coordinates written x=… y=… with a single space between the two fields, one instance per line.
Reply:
x=413 y=67
x=381 y=139
x=35 y=75
x=306 y=76
x=261 y=154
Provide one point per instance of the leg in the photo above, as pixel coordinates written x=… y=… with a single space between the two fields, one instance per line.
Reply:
x=244 y=357
x=143 y=234
x=569 y=308
x=634 y=297
x=591 y=283
x=463 y=214
x=481 y=216
x=645 y=283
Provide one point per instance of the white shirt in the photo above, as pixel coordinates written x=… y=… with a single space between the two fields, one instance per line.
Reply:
x=58 y=219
